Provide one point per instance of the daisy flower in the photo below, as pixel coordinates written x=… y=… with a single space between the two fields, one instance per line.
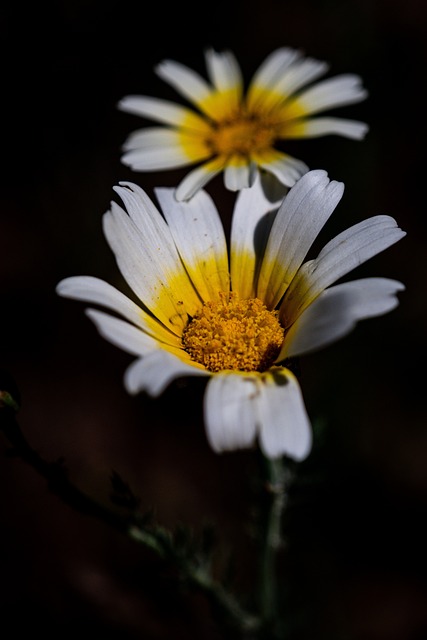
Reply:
x=238 y=317
x=236 y=131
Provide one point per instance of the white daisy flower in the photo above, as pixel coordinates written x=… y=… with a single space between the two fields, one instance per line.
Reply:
x=236 y=320
x=235 y=131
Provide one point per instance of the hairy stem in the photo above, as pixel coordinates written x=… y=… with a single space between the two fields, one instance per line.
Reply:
x=276 y=476
x=134 y=524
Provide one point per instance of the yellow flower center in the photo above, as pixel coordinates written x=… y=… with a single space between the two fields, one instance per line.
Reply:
x=242 y=135
x=234 y=334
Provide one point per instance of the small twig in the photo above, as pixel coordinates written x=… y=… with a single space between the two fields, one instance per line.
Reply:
x=134 y=524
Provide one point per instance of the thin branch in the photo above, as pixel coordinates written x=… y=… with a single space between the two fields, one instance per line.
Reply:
x=192 y=568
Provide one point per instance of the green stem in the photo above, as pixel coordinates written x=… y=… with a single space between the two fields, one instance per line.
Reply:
x=274 y=485
x=223 y=602
x=156 y=538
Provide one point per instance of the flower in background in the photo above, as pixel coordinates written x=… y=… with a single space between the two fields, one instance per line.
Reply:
x=238 y=132
x=236 y=320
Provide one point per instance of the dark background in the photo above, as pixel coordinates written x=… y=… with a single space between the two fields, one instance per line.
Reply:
x=355 y=565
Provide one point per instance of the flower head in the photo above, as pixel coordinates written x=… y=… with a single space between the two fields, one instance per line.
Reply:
x=237 y=132
x=238 y=317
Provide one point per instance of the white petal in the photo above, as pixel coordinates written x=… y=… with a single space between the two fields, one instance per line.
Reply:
x=360 y=242
x=285 y=426
x=301 y=216
x=199 y=236
x=155 y=371
x=315 y=127
x=224 y=71
x=251 y=223
x=162 y=111
x=337 y=310
x=198 y=178
x=334 y=92
x=185 y=80
x=99 y=292
x=230 y=418
x=148 y=258
x=122 y=334
x=144 y=213
x=341 y=255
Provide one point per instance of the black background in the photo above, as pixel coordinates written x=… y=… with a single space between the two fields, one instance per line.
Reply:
x=355 y=565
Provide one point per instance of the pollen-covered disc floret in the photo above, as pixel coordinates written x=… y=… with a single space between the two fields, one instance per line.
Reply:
x=176 y=262
x=234 y=334
x=242 y=135
x=238 y=128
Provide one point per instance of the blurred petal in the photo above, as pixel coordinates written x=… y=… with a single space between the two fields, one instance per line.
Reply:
x=151 y=137
x=315 y=127
x=198 y=178
x=184 y=80
x=284 y=167
x=163 y=111
x=268 y=74
x=333 y=92
x=225 y=74
x=299 y=74
x=238 y=174
x=275 y=64
x=152 y=149
x=163 y=149
x=236 y=131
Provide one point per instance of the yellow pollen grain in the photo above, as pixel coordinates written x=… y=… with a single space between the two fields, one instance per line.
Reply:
x=234 y=334
x=242 y=135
